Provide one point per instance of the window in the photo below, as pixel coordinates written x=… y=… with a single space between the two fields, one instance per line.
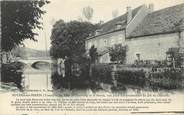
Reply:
x=89 y=45
x=112 y=42
x=101 y=43
x=105 y=42
x=119 y=39
x=95 y=43
x=138 y=56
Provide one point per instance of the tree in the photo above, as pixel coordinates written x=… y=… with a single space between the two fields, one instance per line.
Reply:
x=68 y=39
x=93 y=54
x=88 y=12
x=115 y=13
x=19 y=19
x=118 y=53
x=176 y=58
x=68 y=42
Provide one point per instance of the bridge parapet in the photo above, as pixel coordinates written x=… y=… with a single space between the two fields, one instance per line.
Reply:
x=30 y=62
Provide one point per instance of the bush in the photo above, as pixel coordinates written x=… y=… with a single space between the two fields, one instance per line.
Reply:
x=10 y=73
x=131 y=77
x=169 y=79
x=165 y=79
x=118 y=53
x=101 y=73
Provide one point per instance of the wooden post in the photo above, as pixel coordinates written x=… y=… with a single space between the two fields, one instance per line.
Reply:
x=174 y=66
x=113 y=75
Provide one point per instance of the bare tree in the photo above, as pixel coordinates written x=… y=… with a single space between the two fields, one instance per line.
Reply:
x=87 y=12
x=115 y=13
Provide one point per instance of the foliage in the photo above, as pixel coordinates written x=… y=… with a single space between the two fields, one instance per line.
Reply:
x=118 y=53
x=19 y=18
x=101 y=73
x=58 y=81
x=174 y=54
x=77 y=77
x=93 y=54
x=150 y=63
x=68 y=42
x=88 y=12
x=9 y=73
x=68 y=39
x=169 y=79
x=136 y=78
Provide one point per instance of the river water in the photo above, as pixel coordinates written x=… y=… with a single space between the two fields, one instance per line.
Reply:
x=45 y=79
x=35 y=79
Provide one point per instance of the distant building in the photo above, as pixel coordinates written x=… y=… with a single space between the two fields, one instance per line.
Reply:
x=147 y=33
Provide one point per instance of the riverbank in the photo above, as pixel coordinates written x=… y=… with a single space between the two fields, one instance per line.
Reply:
x=11 y=75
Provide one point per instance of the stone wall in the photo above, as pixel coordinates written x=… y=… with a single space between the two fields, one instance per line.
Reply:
x=151 y=47
x=107 y=40
x=102 y=42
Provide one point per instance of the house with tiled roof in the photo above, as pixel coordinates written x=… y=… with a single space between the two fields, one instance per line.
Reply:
x=148 y=34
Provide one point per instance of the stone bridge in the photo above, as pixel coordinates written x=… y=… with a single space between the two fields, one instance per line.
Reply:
x=32 y=61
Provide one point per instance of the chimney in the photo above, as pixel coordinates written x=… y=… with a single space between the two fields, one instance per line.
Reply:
x=151 y=7
x=101 y=22
x=129 y=14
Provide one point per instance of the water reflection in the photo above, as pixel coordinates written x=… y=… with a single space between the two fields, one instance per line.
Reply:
x=41 y=65
x=58 y=81
x=73 y=82
x=37 y=76
x=25 y=77
x=37 y=81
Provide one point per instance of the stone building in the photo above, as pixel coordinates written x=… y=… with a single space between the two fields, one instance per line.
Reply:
x=147 y=33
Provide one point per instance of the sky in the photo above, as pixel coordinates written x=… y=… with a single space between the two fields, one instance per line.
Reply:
x=69 y=10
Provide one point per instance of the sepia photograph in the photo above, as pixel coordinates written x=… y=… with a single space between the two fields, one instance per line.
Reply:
x=68 y=48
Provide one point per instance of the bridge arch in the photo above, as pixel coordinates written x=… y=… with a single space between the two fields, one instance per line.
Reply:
x=33 y=61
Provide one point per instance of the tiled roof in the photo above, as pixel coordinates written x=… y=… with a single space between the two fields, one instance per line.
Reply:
x=162 y=21
x=110 y=25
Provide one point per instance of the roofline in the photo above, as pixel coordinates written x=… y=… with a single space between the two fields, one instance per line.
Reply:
x=167 y=8
x=132 y=37
x=88 y=38
x=169 y=32
x=104 y=33
x=135 y=15
x=122 y=14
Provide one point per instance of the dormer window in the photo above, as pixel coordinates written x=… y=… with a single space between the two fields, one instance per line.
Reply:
x=97 y=32
x=119 y=25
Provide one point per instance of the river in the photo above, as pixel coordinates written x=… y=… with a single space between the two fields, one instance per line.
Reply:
x=44 y=79
x=37 y=78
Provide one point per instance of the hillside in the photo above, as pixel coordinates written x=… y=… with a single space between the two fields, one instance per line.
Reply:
x=24 y=53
